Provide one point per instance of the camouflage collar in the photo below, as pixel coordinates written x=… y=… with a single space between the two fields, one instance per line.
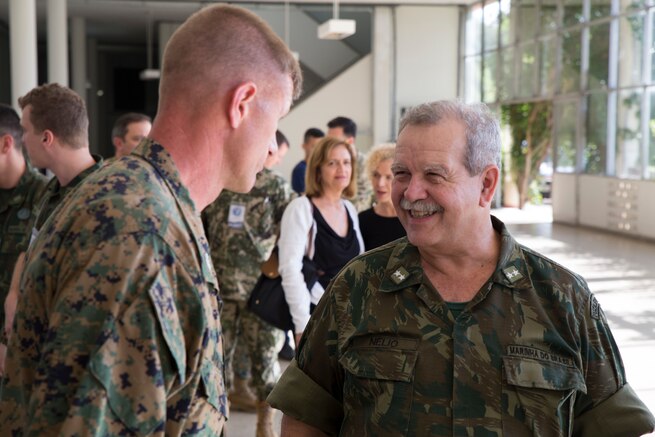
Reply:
x=16 y=195
x=163 y=162
x=511 y=270
x=54 y=188
x=404 y=266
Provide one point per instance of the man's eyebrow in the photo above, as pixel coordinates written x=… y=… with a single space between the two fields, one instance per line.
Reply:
x=437 y=168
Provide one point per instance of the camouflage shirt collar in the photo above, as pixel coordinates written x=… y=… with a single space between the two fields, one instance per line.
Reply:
x=54 y=187
x=162 y=161
x=404 y=266
x=511 y=270
x=16 y=195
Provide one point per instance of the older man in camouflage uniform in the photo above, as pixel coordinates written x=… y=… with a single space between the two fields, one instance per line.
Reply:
x=457 y=330
x=242 y=230
x=117 y=330
x=21 y=188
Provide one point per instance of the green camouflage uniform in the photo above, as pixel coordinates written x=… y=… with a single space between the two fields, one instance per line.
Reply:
x=242 y=230
x=18 y=208
x=117 y=330
x=364 y=197
x=531 y=354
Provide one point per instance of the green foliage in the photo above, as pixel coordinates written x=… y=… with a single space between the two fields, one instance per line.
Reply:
x=531 y=131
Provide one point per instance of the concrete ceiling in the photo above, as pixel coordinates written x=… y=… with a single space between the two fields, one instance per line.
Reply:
x=124 y=21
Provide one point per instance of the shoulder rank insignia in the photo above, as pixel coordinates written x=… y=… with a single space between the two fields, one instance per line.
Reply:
x=512 y=274
x=399 y=275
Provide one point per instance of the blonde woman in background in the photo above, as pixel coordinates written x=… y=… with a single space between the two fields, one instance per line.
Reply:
x=322 y=224
x=379 y=224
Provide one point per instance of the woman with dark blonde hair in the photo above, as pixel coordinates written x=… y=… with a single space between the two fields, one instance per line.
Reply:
x=380 y=224
x=321 y=225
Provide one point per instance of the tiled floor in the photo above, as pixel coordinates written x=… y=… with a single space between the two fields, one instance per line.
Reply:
x=619 y=270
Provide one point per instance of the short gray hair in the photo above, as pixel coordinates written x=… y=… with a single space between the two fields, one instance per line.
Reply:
x=481 y=127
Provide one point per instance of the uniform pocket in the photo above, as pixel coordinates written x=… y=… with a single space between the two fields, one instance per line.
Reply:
x=378 y=384
x=538 y=397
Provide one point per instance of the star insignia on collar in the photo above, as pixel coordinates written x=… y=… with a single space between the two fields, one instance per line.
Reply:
x=399 y=275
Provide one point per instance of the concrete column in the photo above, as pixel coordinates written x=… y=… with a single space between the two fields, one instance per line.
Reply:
x=78 y=56
x=57 y=41
x=384 y=89
x=22 y=46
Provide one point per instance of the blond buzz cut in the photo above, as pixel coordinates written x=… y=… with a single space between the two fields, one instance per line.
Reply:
x=223 y=45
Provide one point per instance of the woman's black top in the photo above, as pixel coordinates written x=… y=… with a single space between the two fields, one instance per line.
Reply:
x=332 y=252
x=377 y=230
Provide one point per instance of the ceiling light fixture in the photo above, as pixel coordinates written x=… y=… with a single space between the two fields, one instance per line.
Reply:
x=149 y=73
x=336 y=28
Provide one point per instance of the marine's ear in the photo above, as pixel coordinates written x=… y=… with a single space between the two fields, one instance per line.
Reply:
x=48 y=137
x=241 y=99
x=489 y=182
x=6 y=143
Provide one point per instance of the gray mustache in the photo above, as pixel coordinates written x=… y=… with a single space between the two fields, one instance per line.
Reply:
x=421 y=206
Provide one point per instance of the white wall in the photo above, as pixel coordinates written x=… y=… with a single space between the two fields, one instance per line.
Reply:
x=612 y=204
x=427 y=41
x=348 y=95
x=425 y=48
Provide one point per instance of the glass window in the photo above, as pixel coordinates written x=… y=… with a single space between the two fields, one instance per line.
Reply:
x=571 y=60
x=628 y=134
x=472 y=88
x=652 y=49
x=600 y=9
x=474 y=30
x=599 y=50
x=528 y=64
x=547 y=66
x=650 y=171
x=548 y=16
x=507 y=76
x=565 y=122
x=491 y=11
x=506 y=28
x=527 y=19
x=572 y=13
x=633 y=5
x=595 y=150
x=489 y=81
x=631 y=42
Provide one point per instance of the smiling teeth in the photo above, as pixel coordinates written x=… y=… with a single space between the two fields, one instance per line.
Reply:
x=420 y=214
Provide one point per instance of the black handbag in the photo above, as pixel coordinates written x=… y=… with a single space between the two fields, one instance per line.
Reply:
x=267 y=298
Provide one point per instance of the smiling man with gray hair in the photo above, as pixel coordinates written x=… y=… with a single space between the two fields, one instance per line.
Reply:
x=457 y=329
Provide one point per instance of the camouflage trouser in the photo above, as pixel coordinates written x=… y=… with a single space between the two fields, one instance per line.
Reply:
x=262 y=342
x=240 y=359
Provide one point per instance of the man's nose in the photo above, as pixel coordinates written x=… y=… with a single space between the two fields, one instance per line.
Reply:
x=415 y=190
x=272 y=147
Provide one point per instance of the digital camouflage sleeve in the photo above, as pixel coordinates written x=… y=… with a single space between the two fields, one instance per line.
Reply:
x=531 y=354
x=117 y=327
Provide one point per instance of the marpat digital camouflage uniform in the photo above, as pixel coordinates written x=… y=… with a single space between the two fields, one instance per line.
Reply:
x=18 y=208
x=117 y=330
x=242 y=230
x=531 y=354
